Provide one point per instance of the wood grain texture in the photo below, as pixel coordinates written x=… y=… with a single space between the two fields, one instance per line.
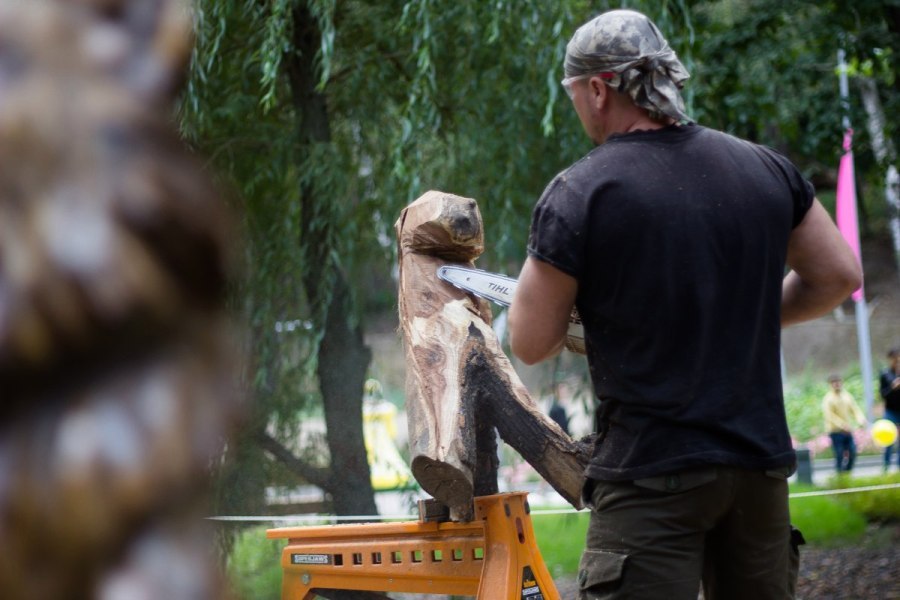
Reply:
x=434 y=318
x=460 y=385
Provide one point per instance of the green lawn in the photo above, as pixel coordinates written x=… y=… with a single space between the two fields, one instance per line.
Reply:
x=826 y=520
x=560 y=539
x=254 y=567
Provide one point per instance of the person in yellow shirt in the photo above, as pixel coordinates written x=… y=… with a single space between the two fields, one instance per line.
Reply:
x=842 y=416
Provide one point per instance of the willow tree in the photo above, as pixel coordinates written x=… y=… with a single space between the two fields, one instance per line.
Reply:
x=327 y=118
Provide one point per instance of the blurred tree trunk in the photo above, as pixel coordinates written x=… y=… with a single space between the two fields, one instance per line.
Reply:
x=886 y=154
x=892 y=190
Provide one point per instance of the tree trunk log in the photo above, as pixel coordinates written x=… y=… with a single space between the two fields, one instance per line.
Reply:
x=460 y=384
x=342 y=364
x=502 y=399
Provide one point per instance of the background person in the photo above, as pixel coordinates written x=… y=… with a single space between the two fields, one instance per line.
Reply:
x=559 y=400
x=890 y=393
x=671 y=239
x=842 y=416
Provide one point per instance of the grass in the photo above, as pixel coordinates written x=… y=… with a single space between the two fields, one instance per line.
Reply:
x=560 y=538
x=825 y=520
x=881 y=505
x=254 y=567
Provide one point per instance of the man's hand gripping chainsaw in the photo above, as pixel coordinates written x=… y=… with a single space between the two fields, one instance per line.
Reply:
x=499 y=289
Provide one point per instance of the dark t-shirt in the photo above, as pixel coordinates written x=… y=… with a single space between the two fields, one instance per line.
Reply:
x=890 y=394
x=678 y=239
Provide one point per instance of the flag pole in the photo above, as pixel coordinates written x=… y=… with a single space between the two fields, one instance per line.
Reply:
x=848 y=224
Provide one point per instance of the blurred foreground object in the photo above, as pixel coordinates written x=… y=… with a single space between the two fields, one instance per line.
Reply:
x=115 y=356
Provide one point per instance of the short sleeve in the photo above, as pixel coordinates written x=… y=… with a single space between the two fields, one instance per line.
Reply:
x=802 y=191
x=804 y=195
x=557 y=233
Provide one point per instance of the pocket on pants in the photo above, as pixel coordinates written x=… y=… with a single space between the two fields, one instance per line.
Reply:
x=675 y=483
x=599 y=567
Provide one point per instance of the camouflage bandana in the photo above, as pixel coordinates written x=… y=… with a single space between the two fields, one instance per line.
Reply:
x=628 y=45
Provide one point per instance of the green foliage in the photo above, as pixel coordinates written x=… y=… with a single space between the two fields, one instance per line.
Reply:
x=762 y=78
x=766 y=70
x=560 y=538
x=228 y=113
x=875 y=505
x=825 y=520
x=254 y=567
x=803 y=405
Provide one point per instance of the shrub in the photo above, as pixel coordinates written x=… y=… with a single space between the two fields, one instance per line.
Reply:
x=875 y=505
x=254 y=567
x=824 y=520
x=803 y=404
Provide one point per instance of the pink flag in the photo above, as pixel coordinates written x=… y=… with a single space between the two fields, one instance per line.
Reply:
x=846 y=203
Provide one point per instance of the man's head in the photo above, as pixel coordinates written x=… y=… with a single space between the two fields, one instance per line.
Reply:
x=836 y=382
x=894 y=356
x=627 y=52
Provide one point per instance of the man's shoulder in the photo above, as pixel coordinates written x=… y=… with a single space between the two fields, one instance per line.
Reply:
x=620 y=150
x=723 y=138
x=692 y=135
x=708 y=135
x=589 y=168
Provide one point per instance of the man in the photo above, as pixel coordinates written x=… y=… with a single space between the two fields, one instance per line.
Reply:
x=561 y=397
x=672 y=239
x=890 y=393
x=842 y=416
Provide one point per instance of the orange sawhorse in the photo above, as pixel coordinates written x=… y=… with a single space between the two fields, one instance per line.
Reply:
x=493 y=557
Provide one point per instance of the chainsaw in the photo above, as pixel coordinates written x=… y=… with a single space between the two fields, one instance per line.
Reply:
x=500 y=289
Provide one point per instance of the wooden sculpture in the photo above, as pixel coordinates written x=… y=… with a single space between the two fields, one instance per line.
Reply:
x=460 y=385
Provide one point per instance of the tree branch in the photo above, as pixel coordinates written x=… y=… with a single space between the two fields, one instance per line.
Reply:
x=315 y=475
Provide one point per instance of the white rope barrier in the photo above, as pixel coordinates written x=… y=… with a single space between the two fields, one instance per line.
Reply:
x=867 y=488
x=333 y=519
x=315 y=519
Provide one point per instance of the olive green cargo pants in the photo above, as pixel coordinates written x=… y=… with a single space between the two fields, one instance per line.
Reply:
x=657 y=538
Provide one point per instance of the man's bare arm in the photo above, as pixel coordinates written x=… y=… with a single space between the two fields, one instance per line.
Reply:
x=539 y=315
x=824 y=270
